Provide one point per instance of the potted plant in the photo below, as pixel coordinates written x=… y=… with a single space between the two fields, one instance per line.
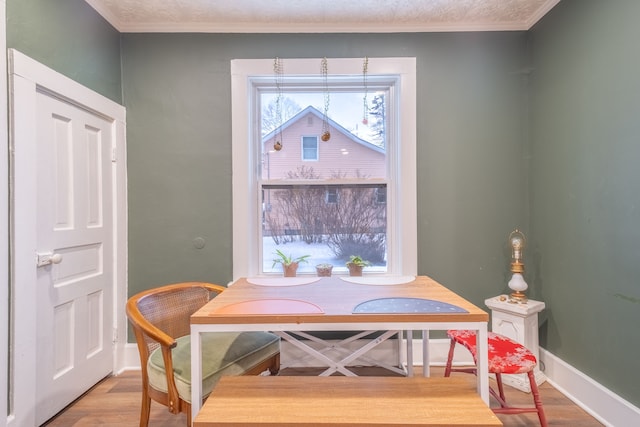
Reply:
x=356 y=264
x=289 y=264
x=324 y=269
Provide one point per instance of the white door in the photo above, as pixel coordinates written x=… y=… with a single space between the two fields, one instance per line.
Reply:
x=75 y=253
x=68 y=216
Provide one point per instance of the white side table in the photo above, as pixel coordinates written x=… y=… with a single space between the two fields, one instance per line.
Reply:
x=518 y=321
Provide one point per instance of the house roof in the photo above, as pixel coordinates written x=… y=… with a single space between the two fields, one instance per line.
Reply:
x=333 y=126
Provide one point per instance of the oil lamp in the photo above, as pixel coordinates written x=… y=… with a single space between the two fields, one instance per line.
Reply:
x=517 y=283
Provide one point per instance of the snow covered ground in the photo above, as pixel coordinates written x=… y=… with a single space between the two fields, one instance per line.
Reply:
x=320 y=253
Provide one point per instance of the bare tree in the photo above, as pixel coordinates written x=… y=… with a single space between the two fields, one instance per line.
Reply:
x=355 y=225
x=352 y=224
x=299 y=207
x=270 y=119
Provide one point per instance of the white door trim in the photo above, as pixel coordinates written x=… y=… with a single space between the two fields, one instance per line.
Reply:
x=25 y=75
x=4 y=220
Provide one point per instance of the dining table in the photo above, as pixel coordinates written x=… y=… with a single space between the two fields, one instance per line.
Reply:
x=294 y=307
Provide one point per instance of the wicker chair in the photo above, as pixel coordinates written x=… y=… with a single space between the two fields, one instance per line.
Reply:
x=161 y=322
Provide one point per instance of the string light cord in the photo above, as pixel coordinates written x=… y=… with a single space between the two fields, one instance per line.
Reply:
x=324 y=71
x=278 y=71
x=365 y=72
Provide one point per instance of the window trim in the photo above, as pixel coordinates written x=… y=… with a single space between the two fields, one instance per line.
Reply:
x=402 y=215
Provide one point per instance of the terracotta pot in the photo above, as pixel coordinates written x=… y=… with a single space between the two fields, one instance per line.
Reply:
x=324 y=270
x=354 y=269
x=290 y=269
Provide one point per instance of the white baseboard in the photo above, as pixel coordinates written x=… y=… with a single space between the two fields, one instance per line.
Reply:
x=129 y=359
x=598 y=401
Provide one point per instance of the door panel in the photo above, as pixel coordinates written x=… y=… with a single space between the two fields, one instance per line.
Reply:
x=74 y=221
x=67 y=215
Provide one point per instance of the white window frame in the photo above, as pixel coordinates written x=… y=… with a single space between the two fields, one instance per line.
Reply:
x=401 y=201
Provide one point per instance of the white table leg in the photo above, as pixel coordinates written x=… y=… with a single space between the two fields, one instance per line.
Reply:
x=483 y=363
x=409 y=336
x=196 y=372
x=426 y=367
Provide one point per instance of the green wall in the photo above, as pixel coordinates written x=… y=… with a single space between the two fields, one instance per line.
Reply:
x=470 y=148
x=585 y=187
x=69 y=37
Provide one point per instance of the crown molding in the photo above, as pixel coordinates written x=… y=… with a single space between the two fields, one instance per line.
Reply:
x=135 y=17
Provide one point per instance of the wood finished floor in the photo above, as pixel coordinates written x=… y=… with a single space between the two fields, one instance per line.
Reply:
x=116 y=402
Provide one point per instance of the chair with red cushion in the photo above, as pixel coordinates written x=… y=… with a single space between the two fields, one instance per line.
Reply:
x=505 y=357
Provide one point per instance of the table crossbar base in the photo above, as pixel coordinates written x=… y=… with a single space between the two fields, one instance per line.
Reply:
x=340 y=365
x=339 y=347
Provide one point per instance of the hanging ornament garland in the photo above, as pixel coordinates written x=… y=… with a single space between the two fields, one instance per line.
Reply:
x=326 y=135
x=365 y=70
x=278 y=71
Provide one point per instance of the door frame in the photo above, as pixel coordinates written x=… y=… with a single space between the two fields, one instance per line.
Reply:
x=25 y=76
x=4 y=220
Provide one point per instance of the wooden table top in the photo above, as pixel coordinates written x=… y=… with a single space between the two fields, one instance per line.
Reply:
x=344 y=401
x=328 y=300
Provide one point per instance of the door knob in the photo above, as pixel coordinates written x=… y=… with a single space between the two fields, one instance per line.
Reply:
x=47 y=258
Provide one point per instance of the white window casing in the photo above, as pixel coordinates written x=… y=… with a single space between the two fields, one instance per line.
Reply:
x=402 y=191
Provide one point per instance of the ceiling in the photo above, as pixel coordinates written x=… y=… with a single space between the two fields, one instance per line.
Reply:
x=321 y=16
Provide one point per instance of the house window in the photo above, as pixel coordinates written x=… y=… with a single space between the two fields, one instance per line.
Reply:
x=332 y=195
x=309 y=148
x=363 y=162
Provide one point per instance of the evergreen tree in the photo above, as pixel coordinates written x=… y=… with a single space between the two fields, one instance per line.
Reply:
x=377 y=114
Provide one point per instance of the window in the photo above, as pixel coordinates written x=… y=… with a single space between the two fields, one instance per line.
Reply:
x=358 y=195
x=309 y=148
x=332 y=195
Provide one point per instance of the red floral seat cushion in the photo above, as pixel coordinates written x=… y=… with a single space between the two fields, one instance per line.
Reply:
x=505 y=355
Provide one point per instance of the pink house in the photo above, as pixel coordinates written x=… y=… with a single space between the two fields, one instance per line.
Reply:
x=311 y=212
x=344 y=154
